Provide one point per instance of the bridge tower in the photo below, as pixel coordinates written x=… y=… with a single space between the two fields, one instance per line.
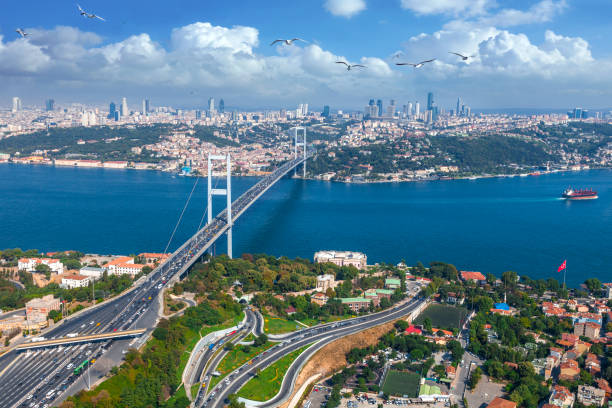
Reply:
x=296 y=134
x=227 y=191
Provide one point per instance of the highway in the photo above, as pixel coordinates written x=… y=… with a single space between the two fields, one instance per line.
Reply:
x=321 y=334
x=28 y=377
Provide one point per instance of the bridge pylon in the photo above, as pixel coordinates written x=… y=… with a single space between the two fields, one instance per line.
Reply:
x=296 y=137
x=227 y=191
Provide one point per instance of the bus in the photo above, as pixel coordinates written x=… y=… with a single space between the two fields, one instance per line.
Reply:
x=80 y=367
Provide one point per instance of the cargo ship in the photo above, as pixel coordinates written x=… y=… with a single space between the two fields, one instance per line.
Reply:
x=571 y=194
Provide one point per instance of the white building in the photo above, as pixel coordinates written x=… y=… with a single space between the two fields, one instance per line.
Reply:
x=75 y=281
x=30 y=264
x=123 y=265
x=325 y=282
x=92 y=272
x=342 y=258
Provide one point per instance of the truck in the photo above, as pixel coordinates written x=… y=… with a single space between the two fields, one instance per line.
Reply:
x=71 y=335
x=35 y=339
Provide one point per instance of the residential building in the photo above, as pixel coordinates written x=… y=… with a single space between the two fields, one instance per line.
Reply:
x=111 y=266
x=30 y=264
x=569 y=370
x=375 y=295
x=39 y=308
x=451 y=371
x=602 y=384
x=342 y=258
x=392 y=283
x=587 y=329
x=590 y=396
x=325 y=282
x=75 y=281
x=356 y=304
x=476 y=277
x=412 y=329
x=592 y=364
x=561 y=397
x=501 y=403
x=93 y=272
x=128 y=269
x=319 y=298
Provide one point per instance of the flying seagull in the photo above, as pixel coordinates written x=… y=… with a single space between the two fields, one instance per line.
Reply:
x=463 y=57
x=288 y=42
x=349 y=66
x=89 y=15
x=22 y=33
x=417 y=65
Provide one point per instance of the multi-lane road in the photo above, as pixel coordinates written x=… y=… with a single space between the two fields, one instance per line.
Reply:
x=317 y=335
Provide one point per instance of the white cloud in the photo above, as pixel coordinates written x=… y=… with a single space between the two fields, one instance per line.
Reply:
x=468 y=7
x=541 y=12
x=200 y=57
x=345 y=8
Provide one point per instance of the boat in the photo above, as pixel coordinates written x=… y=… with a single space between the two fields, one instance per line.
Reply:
x=585 y=194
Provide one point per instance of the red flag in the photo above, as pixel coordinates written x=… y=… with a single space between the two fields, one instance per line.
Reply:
x=562 y=267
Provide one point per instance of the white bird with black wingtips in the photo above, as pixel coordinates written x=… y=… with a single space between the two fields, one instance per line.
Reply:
x=22 y=33
x=288 y=42
x=89 y=15
x=349 y=66
x=417 y=65
x=463 y=57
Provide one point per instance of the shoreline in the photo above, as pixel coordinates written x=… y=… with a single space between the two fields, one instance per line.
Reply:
x=424 y=179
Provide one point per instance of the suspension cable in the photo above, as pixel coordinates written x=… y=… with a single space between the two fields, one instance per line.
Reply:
x=182 y=213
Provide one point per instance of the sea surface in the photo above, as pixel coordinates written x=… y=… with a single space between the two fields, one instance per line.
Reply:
x=488 y=225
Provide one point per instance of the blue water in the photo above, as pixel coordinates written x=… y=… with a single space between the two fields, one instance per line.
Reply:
x=490 y=225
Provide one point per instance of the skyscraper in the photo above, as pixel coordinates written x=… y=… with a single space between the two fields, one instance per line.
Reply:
x=147 y=106
x=221 y=106
x=430 y=100
x=391 y=109
x=50 y=105
x=379 y=104
x=111 y=110
x=457 y=112
x=417 y=109
x=144 y=107
x=409 y=110
x=198 y=114
x=16 y=104
x=211 y=105
x=124 y=107
x=325 y=113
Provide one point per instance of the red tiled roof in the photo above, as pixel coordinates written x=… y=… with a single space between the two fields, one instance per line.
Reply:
x=469 y=275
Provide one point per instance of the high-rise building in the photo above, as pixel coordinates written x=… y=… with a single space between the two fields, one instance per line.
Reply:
x=221 y=106
x=325 y=113
x=391 y=109
x=111 y=110
x=417 y=109
x=144 y=107
x=211 y=106
x=16 y=104
x=147 y=107
x=371 y=103
x=50 y=105
x=430 y=100
x=117 y=116
x=457 y=112
x=198 y=114
x=379 y=104
x=124 y=107
x=409 y=110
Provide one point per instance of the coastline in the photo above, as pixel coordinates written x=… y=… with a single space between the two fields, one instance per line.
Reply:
x=150 y=167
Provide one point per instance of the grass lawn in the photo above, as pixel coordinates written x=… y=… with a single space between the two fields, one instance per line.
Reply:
x=268 y=383
x=277 y=325
x=401 y=383
x=235 y=359
x=443 y=316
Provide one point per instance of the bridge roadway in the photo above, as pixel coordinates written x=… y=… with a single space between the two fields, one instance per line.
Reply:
x=22 y=376
x=80 y=339
x=321 y=335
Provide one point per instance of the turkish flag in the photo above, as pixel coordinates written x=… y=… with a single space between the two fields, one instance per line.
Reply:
x=562 y=267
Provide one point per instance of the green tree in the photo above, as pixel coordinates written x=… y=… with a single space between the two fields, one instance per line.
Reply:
x=475 y=377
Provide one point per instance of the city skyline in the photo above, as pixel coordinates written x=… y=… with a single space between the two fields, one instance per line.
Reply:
x=528 y=48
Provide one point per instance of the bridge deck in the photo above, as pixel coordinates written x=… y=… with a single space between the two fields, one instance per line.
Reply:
x=81 y=339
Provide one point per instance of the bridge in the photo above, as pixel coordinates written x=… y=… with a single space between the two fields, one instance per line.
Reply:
x=81 y=339
x=137 y=308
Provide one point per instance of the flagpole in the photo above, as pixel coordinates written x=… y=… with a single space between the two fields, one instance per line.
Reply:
x=564 y=272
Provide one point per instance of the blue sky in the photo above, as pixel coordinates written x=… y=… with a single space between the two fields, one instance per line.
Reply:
x=542 y=53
